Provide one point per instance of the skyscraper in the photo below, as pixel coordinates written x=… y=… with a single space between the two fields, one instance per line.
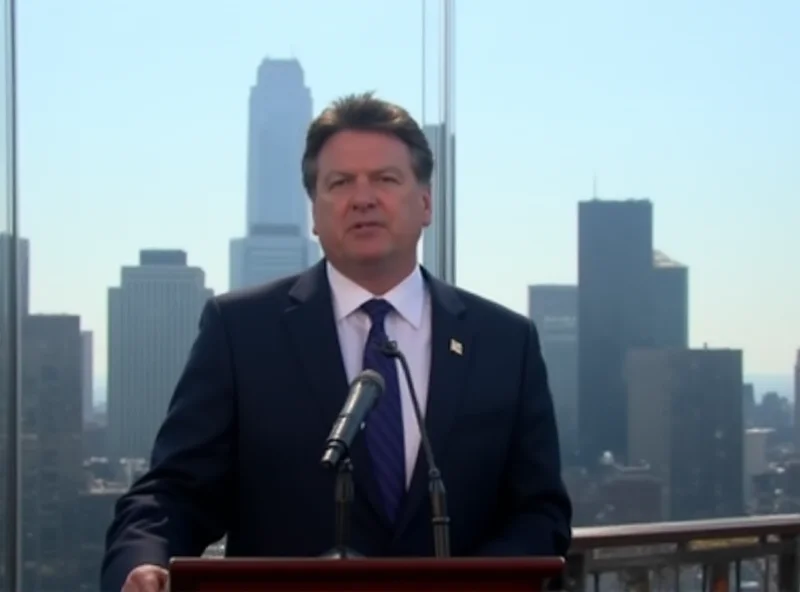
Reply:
x=269 y=252
x=554 y=311
x=686 y=423
x=52 y=473
x=276 y=241
x=152 y=322
x=87 y=374
x=433 y=247
x=24 y=265
x=615 y=269
x=670 y=302
x=279 y=113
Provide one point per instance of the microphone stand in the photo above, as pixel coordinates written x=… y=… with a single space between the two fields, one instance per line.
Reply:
x=344 y=492
x=440 y=519
x=364 y=392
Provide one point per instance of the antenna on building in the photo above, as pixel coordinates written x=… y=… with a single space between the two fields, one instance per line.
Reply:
x=594 y=186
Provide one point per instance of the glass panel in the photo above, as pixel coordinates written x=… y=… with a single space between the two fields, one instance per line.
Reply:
x=161 y=165
x=438 y=116
x=10 y=254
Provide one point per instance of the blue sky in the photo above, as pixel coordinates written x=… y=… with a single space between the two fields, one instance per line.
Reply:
x=133 y=119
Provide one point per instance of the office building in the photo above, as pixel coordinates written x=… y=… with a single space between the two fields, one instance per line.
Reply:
x=615 y=269
x=554 y=311
x=685 y=422
x=152 y=322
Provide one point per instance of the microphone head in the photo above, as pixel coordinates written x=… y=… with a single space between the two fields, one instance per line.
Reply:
x=372 y=376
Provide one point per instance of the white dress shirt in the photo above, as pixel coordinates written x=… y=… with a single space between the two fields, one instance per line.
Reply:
x=409 y=325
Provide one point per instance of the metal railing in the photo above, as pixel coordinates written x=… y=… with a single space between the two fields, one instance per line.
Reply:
x=750 y=554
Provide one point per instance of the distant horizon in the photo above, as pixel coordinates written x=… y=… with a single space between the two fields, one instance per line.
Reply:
x=783 y=384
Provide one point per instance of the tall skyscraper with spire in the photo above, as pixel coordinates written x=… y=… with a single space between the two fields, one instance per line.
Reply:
x=276 y=241
x=279 y=113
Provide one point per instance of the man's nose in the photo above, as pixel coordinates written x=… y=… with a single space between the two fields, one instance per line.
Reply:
x=364 y=194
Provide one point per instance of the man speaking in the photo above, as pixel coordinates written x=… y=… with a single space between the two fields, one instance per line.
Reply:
x=239 y=451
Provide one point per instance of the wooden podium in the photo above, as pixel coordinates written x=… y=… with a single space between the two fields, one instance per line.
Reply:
x=373 y=575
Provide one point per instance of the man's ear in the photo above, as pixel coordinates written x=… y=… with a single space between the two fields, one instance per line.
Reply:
x=427 y=205
x=313 y=216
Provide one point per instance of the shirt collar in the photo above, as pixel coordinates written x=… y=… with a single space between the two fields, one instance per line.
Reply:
x=407 y=297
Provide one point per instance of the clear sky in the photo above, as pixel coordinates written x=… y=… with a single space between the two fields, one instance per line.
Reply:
x=133 y=121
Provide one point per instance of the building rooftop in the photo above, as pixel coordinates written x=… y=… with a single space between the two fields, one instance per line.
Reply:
x=661 y=259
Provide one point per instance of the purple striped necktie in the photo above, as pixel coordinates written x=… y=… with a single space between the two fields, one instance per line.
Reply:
x=384 y=429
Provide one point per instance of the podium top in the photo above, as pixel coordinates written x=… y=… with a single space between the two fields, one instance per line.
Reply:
x=362 y=574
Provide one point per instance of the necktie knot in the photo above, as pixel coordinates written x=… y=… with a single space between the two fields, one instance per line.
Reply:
x=377 y=309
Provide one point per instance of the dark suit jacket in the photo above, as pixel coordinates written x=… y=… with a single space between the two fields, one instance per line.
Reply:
x=239 y=452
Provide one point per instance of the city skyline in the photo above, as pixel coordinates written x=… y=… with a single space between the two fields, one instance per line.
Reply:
x=277 y=211
x=190 y=155
x=782 y=383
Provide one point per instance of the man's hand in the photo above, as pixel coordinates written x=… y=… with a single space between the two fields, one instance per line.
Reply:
x=146 y=578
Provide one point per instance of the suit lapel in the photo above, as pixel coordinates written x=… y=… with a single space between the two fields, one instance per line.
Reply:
x=451 y=346
x=312 y=330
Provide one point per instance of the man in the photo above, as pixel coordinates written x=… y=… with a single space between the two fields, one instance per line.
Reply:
x=239 y=452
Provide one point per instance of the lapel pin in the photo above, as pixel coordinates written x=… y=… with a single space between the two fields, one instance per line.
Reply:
x=456 y=347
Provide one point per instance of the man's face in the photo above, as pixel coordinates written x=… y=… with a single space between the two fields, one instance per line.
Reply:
x=369 y=205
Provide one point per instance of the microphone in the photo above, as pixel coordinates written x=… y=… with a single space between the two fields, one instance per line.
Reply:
x=440 y=518
x=365 y=390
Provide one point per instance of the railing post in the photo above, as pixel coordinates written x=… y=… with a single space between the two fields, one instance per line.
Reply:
x=574 y=578
x=789 y=565
x=635 y=579
x=718 y=575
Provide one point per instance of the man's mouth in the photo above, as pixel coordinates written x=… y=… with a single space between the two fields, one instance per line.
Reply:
x=363 y=225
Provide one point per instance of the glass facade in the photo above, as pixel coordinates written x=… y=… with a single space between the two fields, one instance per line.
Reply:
x=624 y=176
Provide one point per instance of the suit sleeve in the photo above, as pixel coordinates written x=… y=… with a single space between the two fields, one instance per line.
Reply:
x=181 y=505
x=535 y=508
